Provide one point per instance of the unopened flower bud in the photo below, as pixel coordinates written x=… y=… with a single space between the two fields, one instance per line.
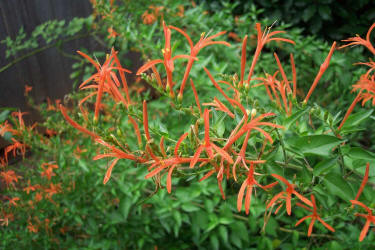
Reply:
x=247 y=86
x=253 y=113
x=179 y=97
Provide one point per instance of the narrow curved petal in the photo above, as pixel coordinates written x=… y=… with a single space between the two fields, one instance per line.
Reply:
x=311 y=226
x=169 y=178
x=148 y=65
x=109 y=171
x=180 y=140
x=326 y=225
x=240 y=195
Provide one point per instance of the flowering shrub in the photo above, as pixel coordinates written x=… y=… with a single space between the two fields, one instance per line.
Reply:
x=242 y=159
x=283 y=145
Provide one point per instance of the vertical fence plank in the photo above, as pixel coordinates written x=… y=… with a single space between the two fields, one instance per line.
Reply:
x=48 y=72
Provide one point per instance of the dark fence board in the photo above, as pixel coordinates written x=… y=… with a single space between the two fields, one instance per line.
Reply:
x=47 y=72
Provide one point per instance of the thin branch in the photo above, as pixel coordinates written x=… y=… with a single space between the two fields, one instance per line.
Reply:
x=37 y=51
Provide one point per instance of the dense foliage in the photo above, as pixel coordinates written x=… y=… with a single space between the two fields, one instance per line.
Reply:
x=224 y=148
x=325 y=18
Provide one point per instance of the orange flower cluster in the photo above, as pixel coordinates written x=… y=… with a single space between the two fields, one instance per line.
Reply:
x=366 y=83
x=105 y=81
x=14 y=201
x=225 y=157
x=150 y=16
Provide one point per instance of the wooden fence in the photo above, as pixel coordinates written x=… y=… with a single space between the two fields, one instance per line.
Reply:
x=47 y=72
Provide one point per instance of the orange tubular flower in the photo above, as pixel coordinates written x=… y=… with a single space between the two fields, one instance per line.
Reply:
x=167 y=61
x=32 y=228
x=243 y=59
x=287 y=195
x=157 y=76
x=364 y=181
x=76 y=125
x=19 y=116
x=13 y=148
x=350 y=109
x=9 y=177
x=117 y=154
x=219 y=106
x=48 y=171
x=253 y=124
x=294 y=75
x=148 y=18
x=145 y=121
x=271 y=82
x=105 y=79
x=234 y=36
x=6 y=127
x=196 y=96
x=27 y=89
x=194 y=50
x=122 y=76
x=111 y=33
x=322 y=69
x=13 y=201
x=136 y=128
x=208 y=146
x=314 y=216
x=233 y=102
x=249 y=183
x=360 y=41
x=5 y=218
x=369 y=218
x=241 y=158
x=30 y=187
x=286 y=82
x=157 y=164
x=263 y=39
x=366 y=87
x=370 y=64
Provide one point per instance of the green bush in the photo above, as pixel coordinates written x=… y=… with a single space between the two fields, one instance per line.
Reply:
x=62 y=202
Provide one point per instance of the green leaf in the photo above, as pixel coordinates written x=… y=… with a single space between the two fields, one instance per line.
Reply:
x=236 y=240
x=125 y=205
x=356 y=119
x=295 y=237
x=338 y=186
x=223 y=231
x=360 y=153
x=324 y=166
x=178 y=221
x=214 y=242
x=188 y=207
x=314 y=144
x=211 y=225
x=209 y=205
x=7 y=136
x=293 y=118
x=220 y=128
x=308 y=12
x=4 y=115
x=225 y=220
x=325 y=12
x=83 y=166
x=271 y=227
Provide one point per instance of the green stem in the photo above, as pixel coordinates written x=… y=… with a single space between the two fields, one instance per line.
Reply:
x=343 y=172
x=283 y=147
x=34 y=52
